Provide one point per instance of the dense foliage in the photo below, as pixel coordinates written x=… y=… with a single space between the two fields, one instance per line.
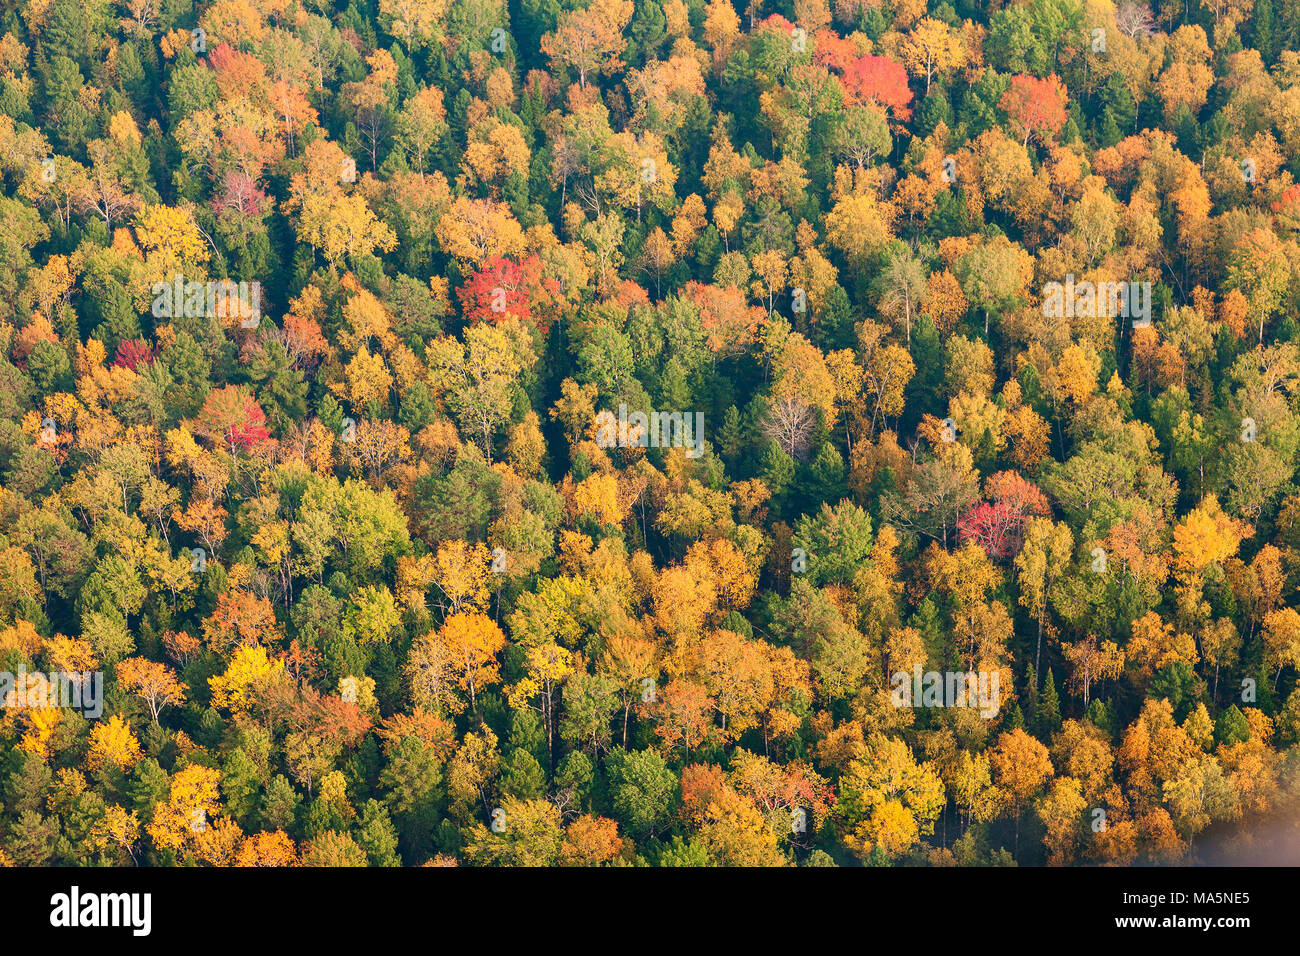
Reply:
x=366 y=583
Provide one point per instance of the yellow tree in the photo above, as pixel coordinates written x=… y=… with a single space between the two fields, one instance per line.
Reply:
x=422 y=123
x=339 y=224
x=1090 y=662
x=250 y=673
x=590 y=40
x=1154 y=644
x=1062 y=811
x=113 y=744
x=737 y=675
x=630 y=661
x=411 y=20
x=495 y=150
x=430 y=671
x=932 y=48
x=859 y=225
x=946 y=303
x=462 y=571
x=475 y=230
x=371 y=97
x=800 y=372
x=1282 y=639
x=1042 y=560
x=735 y=833
x=1198 y=793
x=267 y=849
x=721 y=30
x=1204 y=538
x=191 y=802
x=546 y=666
x=472 y=642
x=171 y=242
x=118 y=827
x=591 y=841
x=733 y=578
x=887 y=370
x=477 y=378
x=1187 y=79
x=1021 y=767
x=636 y=172
x=971 y=784
x=887 y=799
x=152 y=682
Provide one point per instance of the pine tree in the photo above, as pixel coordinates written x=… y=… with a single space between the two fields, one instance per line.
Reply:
x=1264 y=691
x=777 y=472
x=729 y=436
x=1102 y=716
x=1048 y=709
x=378 y=836
x=1015 y=719
x=1263 y=32
x=878 y=857
x=1031 y=694
x=824 y=479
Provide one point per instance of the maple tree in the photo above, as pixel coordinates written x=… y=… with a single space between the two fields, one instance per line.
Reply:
x=881 y=81
x=233 y=418
x=1036 y=106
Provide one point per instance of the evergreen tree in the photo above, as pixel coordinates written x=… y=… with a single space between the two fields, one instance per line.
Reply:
x=1047 y=713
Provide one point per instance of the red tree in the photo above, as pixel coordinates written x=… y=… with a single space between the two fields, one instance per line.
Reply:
x=132 y=353
x=232 y=417
x=1035 y=106
x=879 y=80
x=239 y=195
x=776 y=22
x=994 y=527
x=1289 y=198
x=728 y=320
x=833 y=51
x=1013 y=490
x=252 y=429
x=503 y=288
x=236 y=72
x=997 y=526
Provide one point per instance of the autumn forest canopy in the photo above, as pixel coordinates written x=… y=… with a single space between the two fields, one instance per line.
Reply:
x=557 y=433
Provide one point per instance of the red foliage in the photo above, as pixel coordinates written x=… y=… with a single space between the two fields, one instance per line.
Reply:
x=303 y=341
x=702 y=784
x=132 y=353
x=997 y=526
x=775 y=22
x=1036 y=106
x=1288 y=197
x=232 y=417
x=238 y=194
x=833 y=51
x=729 y=321
x=879 y=80
x=252 y=429
x=629 y=294
x=994 y=527
x=236 y=72
x=1013 y=490
x=503 y=288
